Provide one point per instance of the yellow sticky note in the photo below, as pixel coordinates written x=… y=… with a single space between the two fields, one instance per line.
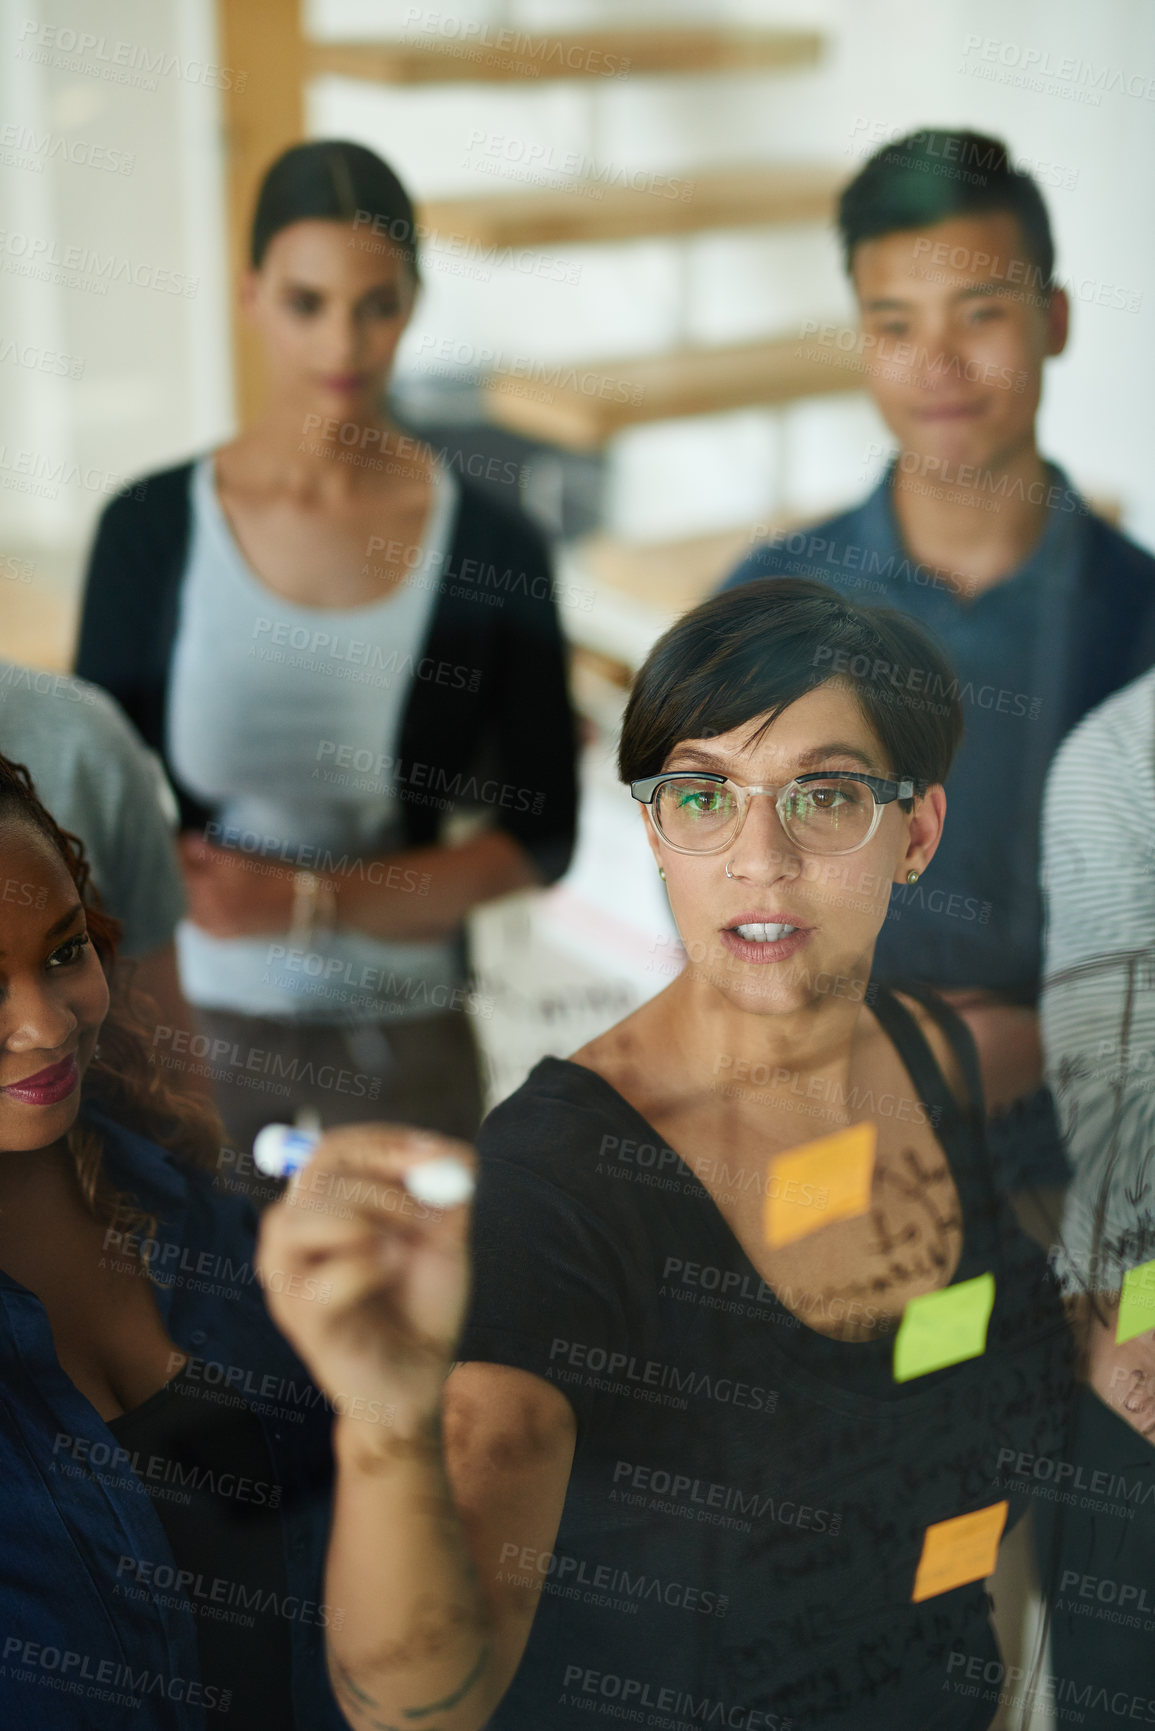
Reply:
x=945 y=1327
x=959 y=1551
x=1137 y=1303
x=825 y=1181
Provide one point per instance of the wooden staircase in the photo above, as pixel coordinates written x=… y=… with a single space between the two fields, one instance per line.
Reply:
x=577 y=406
x=261 y=118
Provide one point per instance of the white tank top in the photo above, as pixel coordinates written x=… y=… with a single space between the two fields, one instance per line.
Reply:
x=279 y=717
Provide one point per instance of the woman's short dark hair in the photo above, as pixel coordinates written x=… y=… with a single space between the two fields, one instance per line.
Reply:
x=754 y=650
x=330 y=180
x=930 y=176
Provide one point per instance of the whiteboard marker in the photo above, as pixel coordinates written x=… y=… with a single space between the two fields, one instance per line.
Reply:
x=280 y=1150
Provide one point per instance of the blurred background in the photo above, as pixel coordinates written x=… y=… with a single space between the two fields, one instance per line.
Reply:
x=627 y=206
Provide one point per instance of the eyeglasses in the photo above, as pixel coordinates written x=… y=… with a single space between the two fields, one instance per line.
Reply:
x=820 y=813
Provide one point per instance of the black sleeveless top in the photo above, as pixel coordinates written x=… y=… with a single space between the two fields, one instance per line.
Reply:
x=749 y=1498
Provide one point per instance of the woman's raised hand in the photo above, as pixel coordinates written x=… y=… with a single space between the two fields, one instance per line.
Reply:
x=368 y=1284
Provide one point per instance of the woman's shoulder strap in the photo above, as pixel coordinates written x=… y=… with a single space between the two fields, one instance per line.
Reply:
x=916 y=1052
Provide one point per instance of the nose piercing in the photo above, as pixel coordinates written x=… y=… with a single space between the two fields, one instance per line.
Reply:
x=729 y=873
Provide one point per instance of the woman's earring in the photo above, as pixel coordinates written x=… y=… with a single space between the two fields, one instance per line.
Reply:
x=662 y=873
x=912 y=877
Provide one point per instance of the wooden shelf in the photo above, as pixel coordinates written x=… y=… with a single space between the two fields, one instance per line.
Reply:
x=500 y=55
x=595 y=210
x=582 y=404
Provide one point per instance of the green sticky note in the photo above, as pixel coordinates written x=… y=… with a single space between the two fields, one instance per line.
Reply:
x=942 y=1328
x=1137 y=1303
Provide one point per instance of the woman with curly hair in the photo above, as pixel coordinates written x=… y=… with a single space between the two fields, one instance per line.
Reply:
x=165 y=1458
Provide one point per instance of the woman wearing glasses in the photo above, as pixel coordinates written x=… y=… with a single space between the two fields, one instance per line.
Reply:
x=680 y=1472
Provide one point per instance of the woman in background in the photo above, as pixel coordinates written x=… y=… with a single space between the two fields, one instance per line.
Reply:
x=165 y=1458
x=351 y=663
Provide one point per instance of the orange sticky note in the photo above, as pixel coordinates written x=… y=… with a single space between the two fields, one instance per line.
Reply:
x=959 y=1551
x=824 y=1181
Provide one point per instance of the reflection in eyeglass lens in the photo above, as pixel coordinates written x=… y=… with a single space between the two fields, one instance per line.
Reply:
x=823 y=816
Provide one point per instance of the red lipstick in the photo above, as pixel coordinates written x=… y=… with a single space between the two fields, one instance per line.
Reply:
x=46 y=1087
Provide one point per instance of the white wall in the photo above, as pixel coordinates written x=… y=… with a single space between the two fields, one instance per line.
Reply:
x=891 y=65
x=110 y=162
x=155 y=366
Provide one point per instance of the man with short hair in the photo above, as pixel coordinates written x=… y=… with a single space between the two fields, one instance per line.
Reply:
x=1043 y=608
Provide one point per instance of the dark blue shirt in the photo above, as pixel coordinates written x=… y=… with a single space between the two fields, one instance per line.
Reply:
x=96 y=1632
x=976 y=917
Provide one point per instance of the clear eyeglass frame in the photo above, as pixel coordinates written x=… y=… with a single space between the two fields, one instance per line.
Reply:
x=884 y=790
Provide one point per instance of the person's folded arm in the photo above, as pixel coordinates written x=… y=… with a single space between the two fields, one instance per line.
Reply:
x=419 y=895
x=425 y=893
